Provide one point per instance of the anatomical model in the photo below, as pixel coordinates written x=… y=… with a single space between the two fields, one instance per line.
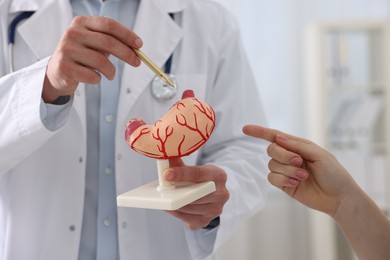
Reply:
x=182 y=130
x=187 y=126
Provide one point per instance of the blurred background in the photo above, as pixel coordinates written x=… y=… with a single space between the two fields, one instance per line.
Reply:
x=321 y=67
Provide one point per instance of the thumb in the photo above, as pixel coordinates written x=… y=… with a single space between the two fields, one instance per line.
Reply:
x=176 y=162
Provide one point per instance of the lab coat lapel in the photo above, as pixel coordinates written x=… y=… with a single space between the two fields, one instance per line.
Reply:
x=37 y=31
x=27 y=5
x=160 y=35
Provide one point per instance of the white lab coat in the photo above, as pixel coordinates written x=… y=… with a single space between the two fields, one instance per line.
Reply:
x=42 y=172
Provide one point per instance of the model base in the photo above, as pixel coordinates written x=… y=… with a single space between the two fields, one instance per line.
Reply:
x=149 y=196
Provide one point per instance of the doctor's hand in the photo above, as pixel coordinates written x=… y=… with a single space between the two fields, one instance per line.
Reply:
x=304 y=170
x=82 y=54
x=201 y=212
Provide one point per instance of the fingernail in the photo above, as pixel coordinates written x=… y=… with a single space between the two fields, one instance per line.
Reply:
x=301 y=174
x=293 y=182
x=297 y=161
x=169 y=175
x=138 y=43
x=137 y=62
x=282 y=137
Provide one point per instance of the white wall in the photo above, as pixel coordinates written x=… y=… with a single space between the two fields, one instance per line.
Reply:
x=273 y=34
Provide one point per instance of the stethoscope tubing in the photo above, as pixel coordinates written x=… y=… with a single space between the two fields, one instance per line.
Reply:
x=160 y=90
x=11 y=35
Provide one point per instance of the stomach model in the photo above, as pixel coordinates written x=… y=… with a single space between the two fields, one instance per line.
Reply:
x=182 y=130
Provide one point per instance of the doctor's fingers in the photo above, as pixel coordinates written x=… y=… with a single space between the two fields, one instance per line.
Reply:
x=279 y=180
x=105 y=35
x=287 y=170
x=107 y=44
x=66 y=71
x=111 y=27
x=196 y=216
x=83 y=65
x=280 y=154
x=197 y=174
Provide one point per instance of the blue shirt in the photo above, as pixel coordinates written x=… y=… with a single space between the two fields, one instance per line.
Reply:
x=99 y=235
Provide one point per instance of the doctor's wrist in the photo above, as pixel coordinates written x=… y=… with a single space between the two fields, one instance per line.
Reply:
x=49 y=93
x=51 y=96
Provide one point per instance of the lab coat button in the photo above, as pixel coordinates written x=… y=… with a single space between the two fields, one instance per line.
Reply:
x=124 y=225
x=119 y=156
x=72 y=228
x=107 y=222
x=80 y=159
x=128 y=90
x=108 y=118
x=108 y=170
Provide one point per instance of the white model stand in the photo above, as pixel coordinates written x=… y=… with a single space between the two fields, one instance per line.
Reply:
x=164 y=195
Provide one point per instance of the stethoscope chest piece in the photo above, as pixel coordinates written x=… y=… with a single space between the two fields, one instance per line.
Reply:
x=161 y=90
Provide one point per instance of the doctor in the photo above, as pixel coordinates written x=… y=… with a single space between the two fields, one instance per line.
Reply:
x=63 y=113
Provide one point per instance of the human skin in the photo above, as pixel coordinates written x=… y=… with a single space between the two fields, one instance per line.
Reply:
x=199 y=213
x=83 y=53
x=314 y=177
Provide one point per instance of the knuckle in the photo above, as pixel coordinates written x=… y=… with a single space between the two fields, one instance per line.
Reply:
x=62 y=50
x=108 y=24
x=271 y=163
x=108 y=41
x=215 y=211
x=270 y=149
x=226 y=195
x=78 y=20
x=220 y=175
x=271 y=178
x=101 y=61
x=72 y=34
x=218 y=211
x=223 y=196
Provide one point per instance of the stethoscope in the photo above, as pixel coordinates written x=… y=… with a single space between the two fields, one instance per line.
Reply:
x=11 y=36
x=159 y=88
